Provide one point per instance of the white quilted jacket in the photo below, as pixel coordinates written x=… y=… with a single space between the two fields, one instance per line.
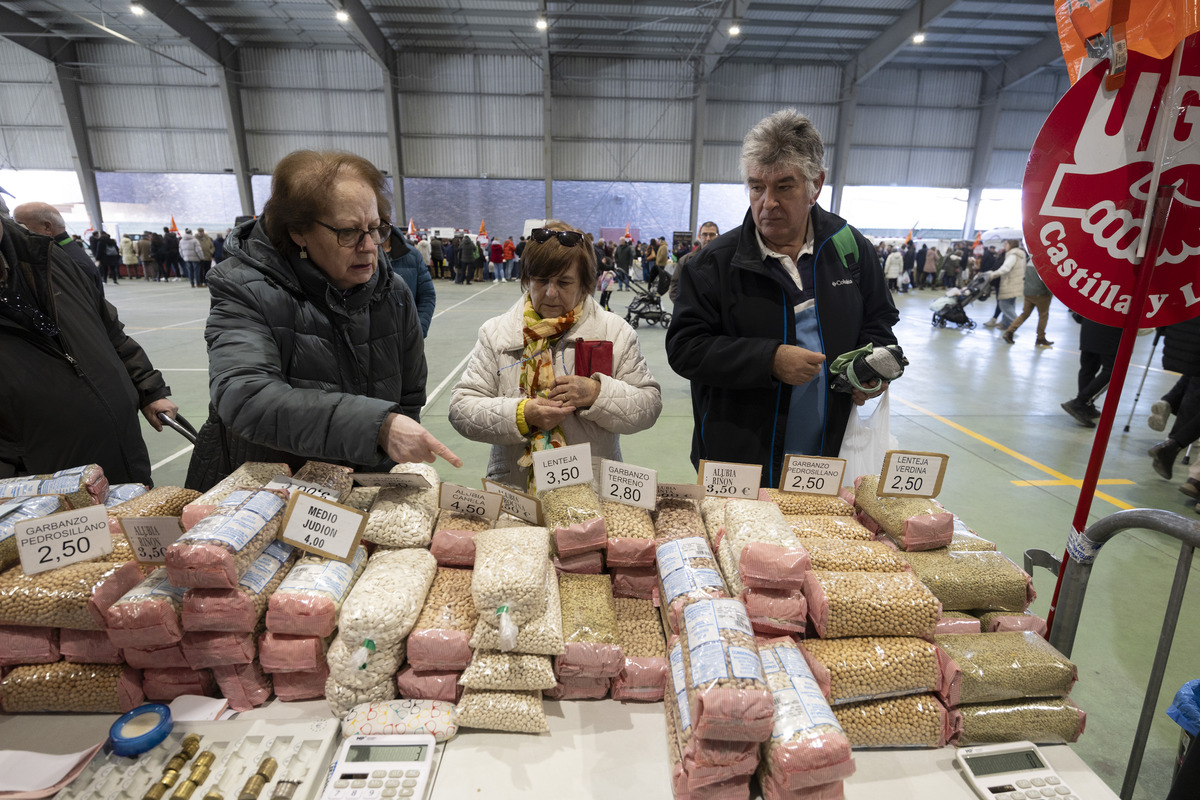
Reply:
x=483 y=406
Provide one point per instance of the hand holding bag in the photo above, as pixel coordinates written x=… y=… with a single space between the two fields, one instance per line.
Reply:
x=868 y=438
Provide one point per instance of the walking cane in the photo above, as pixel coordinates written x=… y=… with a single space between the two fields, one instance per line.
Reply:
x=1145 y=372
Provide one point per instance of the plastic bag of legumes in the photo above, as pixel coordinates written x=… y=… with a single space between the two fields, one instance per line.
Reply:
x=630 y=535
x=206 y=649
x=763 y=547
x=844 y=604
x=404 y=516
x=1009 y=621
x=219 y=549
x=441 y=638
x=873 y=667
x=161 y=501
x=250 y=475
x=589 y=628
x=82 y=486
x=807 y=746
x=1047 y=720
x=640 y=634
x=543 y=635
x=687 y=572
x=677 y=518
x=914 y=523
x=245 y=686
x=589 y=563
x=154 y=657
x=164 y=685
x=966 y=580
x=639 y=583
x=509 y=581
x=120 y=492
x=28 y=644
x=995 y=667
x=239 y=610
x=578 y=689
x=308 y=600
x=818 y=527
x=100 y=688
x=915 y=720
x=75 y=596
x=148 y=614
x=803 y=503
x=573 y=516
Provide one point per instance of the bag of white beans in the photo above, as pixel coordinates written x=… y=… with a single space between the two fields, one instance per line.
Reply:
x=250 y=475
x=218 y=550
x=361 y=668
x=441 y=638
x=509 y=582
x=761 y=545
x=148 y=614
x=542 y=636
x=429 y=685
x=515 y=712
x=687 y=572
x=308 y=600
x=491 y=669
x=343 y=698
x=403 y=516
x=914 y=523
x=384 y=604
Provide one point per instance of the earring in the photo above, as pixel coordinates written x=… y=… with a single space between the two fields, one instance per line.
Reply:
x=303 y=251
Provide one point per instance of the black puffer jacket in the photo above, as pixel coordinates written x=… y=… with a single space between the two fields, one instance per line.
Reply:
x=1181 y=347
x=298 y=371
x=71 y=399
x=735 y=310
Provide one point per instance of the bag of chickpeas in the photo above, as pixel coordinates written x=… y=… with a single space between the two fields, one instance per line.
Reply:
x=87 y=647
x=917 y=720
x=805 y=503
x=573 y=516
x=101 y=688
x=630 y=535
x=81 y=486
x=1009 y=621
x=914 y=523
x=873 y=667
x=219 y=549
x=640 y=634
x=815 y=526
x=441 y=638
x=120 y=492
x=844 y=604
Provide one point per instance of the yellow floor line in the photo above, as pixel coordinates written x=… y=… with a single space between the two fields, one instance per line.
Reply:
x=1059 y=478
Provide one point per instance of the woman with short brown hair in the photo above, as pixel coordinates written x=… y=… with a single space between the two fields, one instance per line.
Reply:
x=555 y=369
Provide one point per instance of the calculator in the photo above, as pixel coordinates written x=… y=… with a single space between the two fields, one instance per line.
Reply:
x=382 y=767
x=1011 y=771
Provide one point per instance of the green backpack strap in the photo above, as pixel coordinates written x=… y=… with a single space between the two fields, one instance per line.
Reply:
x=846 y=245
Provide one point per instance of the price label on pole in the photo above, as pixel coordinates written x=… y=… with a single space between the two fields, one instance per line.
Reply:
x=911 y=474
x=293 y=485
x=58 y=540
x=725 y=479
x=518 y=504
x=391 y=480
x=681 y=491
x=812 y=474
x=151 y=536
x=625 y=483
x=321 y=526
x=469 y=501
x=562 y=466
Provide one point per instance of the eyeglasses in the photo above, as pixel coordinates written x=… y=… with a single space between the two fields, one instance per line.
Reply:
x=565 y=238
x=352 y=237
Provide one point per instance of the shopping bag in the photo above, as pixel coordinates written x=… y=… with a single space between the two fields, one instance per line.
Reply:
x=868 y=437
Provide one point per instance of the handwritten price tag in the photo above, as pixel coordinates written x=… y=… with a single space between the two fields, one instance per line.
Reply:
x=58 y=540
x=625 y=483
x=912 y=474
x=812 y=474
x=724 y=479
x=470 y=501
x=293 y=485
x=323 y=527
x=518 y=504
x=562 y=466
x=681 y=491
x=390 y=480
x=151 y=536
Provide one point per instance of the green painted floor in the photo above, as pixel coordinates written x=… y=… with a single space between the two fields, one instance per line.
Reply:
x=992 y=407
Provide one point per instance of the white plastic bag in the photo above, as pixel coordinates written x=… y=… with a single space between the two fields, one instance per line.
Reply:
x=868 y=437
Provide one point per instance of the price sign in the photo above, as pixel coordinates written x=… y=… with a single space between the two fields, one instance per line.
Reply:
x=680 y=491
x=293 y=485
x=812 y=474
x=390 y=480
x=911 y=474
x=67 y=537
x=518 y=504
x=625 y=483
x=323 y=527
x=470 y=501
x=562 y=466
x=724 y=479
x=151 y=536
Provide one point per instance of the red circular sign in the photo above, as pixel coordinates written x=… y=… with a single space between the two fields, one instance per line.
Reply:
x=1087 y=181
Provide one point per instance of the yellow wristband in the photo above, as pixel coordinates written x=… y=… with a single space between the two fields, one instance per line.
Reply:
x=522 y=425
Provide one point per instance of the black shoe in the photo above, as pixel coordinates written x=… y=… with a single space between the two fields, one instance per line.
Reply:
x=1162 y=457
x=1191 y=488
x=1079 y=412
x=1092 y=411
x=1008 y=337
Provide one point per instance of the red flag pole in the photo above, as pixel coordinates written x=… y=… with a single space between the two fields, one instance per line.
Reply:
x=1164 y=201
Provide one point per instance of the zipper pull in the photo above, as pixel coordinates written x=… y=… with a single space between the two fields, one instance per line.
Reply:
x=75 y=364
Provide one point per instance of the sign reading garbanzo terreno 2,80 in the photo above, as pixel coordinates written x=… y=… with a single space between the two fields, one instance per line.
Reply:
x=1088 y=180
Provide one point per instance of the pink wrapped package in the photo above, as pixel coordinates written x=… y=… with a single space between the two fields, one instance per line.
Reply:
x=634 y=582
x=122 y=579
x=957 y=622
x=774 y=789
x=308 y=600
x=28 y=644
x=164 y=685
x=294 y=686
x=640 y=634
x=278 y=652
x=243 y=685
x=578 y=689
x=687 y=573
x=630 y=553
x=588 y=563
x=88 y=647
x=574 y=519
x=775 y=611
x=250 y=475
x=700 y=764
x=167 y=657
x=219 y=549
x=204 y=649
x=241 y=609
x=454 y=548
x=641 y=679
x=807 y=746
x=81 y=486
x=923 y=524
x=148 y=614
x=441 y=638
x=727 y=694
x=1007 y=622
x=762 y=547
x=434 y=685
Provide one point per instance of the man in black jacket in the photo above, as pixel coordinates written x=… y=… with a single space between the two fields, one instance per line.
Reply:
x=45 y=219
x=73 y=381
x=762 y=306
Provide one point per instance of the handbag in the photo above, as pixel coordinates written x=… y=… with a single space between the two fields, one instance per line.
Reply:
x=867 y=440
x=593 y=357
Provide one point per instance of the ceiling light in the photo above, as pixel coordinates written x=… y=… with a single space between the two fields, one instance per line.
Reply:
x=919 y=37
x=137 y=10
x=342 y=16
x=541 y=24
x=735 y=29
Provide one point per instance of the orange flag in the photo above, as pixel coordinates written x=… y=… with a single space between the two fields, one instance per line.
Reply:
x=908 y=239
x=174 y=228
x=978 y=239
x=1153 y=29
x=482 y=228
x=626 y=230
x=412 y=229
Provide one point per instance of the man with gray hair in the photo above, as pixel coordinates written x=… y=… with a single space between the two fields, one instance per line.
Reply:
x=762 y=307
x=45 y=219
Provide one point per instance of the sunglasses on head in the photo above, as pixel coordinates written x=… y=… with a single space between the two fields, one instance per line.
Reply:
x=565 y=238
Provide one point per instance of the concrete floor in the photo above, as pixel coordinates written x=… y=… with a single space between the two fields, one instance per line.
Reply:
x=994 y=408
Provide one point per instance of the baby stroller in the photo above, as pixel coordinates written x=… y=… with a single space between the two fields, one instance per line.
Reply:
x=953 y=308
x=647 y=302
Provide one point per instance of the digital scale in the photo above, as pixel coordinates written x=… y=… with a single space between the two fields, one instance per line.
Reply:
x=1011 y=771
x=383 y=767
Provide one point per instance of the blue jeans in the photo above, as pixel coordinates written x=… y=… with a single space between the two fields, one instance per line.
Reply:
x=1008 y=311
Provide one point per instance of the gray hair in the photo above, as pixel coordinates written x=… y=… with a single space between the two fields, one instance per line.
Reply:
x=785 y=140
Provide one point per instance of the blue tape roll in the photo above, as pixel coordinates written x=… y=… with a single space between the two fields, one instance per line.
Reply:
x=125 y=745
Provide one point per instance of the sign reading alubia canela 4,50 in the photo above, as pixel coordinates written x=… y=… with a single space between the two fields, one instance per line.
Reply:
x=1088 y=180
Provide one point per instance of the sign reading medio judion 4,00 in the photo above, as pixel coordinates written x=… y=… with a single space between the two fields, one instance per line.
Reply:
x=1087 y=183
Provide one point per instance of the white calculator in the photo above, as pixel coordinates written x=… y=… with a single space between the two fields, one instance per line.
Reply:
x=384 y=767
x=1011 y=771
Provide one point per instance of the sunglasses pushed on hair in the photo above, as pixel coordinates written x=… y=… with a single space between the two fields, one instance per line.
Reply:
x=565 y=238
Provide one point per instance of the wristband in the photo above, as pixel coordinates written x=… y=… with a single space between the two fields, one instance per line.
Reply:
x=522 y=425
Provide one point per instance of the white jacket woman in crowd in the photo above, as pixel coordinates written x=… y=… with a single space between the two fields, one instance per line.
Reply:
x=520 y=392
x=1012 y=281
